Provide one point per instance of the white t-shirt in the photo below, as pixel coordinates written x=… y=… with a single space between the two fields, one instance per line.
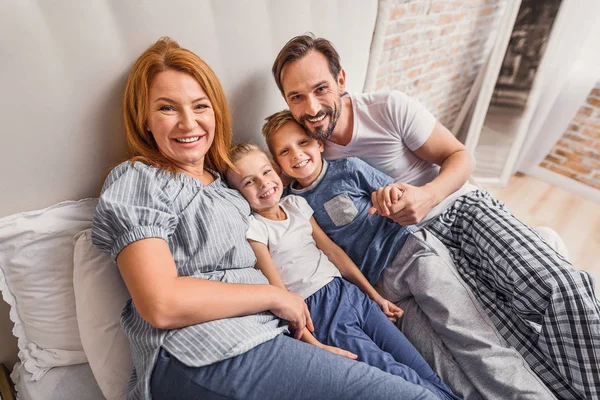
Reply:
x=303 y=268
x=388 y=127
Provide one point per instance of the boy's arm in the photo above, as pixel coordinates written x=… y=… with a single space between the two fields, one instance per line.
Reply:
x=350 y=271
x=265 y=264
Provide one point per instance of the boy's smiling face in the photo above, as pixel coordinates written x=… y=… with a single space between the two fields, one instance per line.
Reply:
x=257 y=181
x=298 y=155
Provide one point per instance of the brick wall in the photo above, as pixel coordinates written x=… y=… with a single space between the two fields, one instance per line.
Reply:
x=433 y=50
x=577 y=153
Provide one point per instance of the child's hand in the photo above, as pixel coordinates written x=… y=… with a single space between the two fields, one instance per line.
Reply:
x=292 y=308
x=341 y=352
x=384 y=198
x=392 y=311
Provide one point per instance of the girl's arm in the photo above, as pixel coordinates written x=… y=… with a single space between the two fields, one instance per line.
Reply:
x=350 y=271
x=168 y=301
x=265 y=264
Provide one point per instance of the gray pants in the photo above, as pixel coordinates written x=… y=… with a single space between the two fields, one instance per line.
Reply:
x=446 y=324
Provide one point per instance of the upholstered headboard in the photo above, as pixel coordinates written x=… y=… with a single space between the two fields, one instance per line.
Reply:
x=64 y=65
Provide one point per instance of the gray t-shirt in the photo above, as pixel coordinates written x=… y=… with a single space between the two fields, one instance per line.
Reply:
x=205 y=228
x=388 y=127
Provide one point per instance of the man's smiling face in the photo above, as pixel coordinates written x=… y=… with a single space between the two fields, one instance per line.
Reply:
x=313 y=94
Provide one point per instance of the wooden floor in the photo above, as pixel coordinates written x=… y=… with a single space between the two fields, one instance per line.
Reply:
x=577 y=220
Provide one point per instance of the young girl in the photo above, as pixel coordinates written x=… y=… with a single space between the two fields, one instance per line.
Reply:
x=293 y=252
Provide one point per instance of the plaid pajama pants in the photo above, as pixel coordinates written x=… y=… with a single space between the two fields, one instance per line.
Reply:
x=542 y=306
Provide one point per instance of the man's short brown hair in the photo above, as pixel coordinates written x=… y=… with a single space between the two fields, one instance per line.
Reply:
x=298 y=47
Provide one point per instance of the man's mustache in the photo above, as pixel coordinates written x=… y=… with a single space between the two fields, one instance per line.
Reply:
x=324 y=112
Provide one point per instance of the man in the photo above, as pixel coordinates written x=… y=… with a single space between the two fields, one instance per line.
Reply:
x=539 y=303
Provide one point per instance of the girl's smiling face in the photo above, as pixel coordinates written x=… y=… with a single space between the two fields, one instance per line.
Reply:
x=298 y=155
x=257 y=181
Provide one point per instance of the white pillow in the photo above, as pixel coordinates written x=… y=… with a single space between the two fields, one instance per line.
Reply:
x=100 y=294
x=36 y=280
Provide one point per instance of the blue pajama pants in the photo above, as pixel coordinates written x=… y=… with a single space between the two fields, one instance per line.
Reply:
x=345 y=317
x=281 y=368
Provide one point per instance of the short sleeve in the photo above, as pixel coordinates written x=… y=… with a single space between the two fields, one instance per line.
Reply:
x=257 y=231
x=368 y=178
x=301 y=204
x=133 y=206
x=411 y=119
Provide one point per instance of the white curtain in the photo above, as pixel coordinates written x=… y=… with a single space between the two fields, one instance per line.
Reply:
x=574 y=69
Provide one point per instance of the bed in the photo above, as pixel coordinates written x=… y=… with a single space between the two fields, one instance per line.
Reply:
x=63 y=73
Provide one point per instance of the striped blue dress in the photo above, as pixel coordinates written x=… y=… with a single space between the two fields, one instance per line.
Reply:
x=205 y=227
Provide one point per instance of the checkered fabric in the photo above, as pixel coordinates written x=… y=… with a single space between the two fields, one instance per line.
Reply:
x=543 y=306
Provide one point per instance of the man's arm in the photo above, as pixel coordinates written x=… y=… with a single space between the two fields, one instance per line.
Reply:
x=443 y=149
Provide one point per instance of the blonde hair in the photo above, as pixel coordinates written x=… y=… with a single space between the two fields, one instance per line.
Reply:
x=166 y=54
x=238 y=152
x=274 y=123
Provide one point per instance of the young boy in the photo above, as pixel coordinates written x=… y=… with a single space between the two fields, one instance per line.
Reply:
x=423 y=275
x=294 y=253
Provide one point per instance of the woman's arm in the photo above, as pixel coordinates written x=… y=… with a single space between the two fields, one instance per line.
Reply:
x=265 y=264
x=169 y=301
x=350 y=271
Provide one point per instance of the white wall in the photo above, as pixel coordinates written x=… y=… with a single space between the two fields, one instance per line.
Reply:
x=64 y=65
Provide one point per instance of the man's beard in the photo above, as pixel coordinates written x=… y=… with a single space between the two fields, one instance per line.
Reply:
x=323 y=133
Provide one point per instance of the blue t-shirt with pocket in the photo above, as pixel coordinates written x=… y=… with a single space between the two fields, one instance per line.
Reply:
x=340 y=198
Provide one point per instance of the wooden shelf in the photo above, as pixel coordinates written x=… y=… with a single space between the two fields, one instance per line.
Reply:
x=7 y=389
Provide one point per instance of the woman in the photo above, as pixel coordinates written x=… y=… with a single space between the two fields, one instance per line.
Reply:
x=203 y=323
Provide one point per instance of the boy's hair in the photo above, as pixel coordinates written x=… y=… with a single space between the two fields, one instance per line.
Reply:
x=274 y=123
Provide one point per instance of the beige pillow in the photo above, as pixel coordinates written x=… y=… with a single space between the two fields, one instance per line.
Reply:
x=100 y=294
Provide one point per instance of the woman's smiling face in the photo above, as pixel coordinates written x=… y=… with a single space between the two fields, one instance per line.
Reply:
x=181 y=118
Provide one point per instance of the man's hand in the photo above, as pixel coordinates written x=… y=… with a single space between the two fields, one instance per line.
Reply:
x=392 y=311
x=384 y=198
x=413 y=205
x=292 y=308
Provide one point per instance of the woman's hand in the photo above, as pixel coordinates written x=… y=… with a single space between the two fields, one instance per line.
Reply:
x=392 y=311
x=292 y=308
x=340 y=352
x=409 y=209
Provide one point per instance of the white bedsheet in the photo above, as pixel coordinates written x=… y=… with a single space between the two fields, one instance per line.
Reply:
x=74 y=382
